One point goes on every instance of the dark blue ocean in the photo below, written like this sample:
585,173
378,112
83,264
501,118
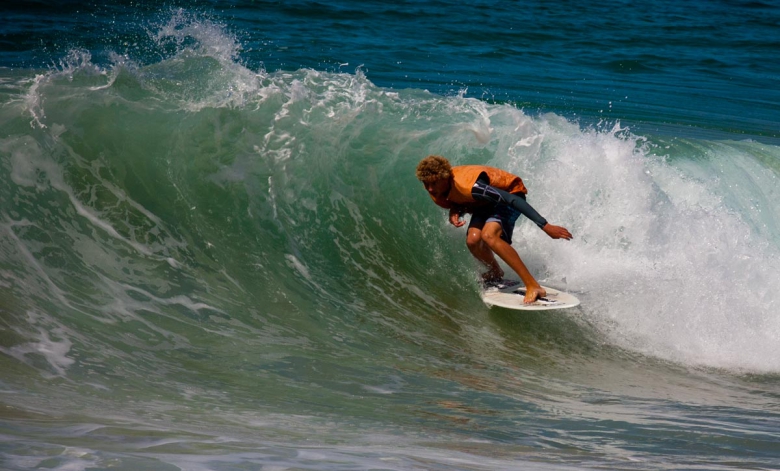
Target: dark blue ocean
215,255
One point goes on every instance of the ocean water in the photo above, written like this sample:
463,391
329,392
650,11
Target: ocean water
214,253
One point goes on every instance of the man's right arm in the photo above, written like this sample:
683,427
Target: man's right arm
455,214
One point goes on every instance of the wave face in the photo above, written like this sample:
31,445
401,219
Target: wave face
196,257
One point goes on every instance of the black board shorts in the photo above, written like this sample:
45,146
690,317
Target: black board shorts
504,215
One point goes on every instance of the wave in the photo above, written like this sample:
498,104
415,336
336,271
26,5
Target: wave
194,214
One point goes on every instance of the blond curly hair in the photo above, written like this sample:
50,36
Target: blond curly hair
432,168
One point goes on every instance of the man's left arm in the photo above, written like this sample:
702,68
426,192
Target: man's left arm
557,232
482,191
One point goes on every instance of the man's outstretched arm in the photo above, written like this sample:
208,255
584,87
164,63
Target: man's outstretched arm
481,191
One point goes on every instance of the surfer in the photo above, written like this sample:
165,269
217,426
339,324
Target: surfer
495,199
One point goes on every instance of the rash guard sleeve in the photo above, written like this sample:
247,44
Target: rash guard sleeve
482,191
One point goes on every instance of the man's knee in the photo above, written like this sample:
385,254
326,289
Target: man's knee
473,239
492,235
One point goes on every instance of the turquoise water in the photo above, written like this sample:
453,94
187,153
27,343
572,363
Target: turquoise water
214,253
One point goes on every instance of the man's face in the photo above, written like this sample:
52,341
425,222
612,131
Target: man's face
438,188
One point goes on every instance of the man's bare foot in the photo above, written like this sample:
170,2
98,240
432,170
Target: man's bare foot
493,275
533,293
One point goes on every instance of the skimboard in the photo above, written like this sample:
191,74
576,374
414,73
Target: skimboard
510,293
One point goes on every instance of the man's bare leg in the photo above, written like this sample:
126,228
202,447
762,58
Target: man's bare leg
491,235
480,250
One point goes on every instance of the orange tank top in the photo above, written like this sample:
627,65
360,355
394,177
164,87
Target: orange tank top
464,177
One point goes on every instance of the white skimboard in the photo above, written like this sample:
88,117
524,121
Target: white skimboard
510,293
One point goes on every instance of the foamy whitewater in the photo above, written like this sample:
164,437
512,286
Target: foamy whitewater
209,264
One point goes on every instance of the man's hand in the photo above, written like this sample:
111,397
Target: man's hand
557,232
455,218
